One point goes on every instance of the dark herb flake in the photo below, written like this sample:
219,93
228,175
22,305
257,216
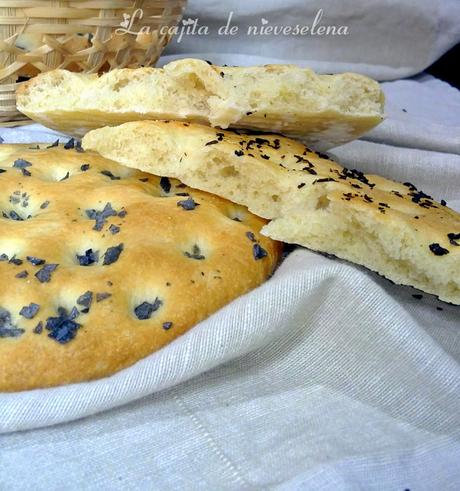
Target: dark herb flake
7,328
88,258
29,311
112,254
195,254
109,174
145,309
21,164
188,204
44,274
63,328
36,261
70,144
258,251
437,250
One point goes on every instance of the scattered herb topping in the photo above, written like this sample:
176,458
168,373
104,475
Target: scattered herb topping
330,179
44,274
63,328
239,153
101,216
16,261
78,147
353,174
251,236
66,176
410,186
26,173
13,216
453,238
70,144
437,250
7,328
54,144
212,142
114,229
84,167
145,309
258,251
167,325
302,184
195,254
38,329
44,205
88,258
29,311
22,274
21,164
323,155
36,261
422,199
109,174
112,254
85,301
188,204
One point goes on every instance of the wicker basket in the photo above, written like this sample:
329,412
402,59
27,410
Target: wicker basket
80,35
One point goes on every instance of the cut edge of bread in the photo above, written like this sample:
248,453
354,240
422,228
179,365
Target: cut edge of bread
325,110
303,211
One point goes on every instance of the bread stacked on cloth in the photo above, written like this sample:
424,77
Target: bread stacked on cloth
100,264
112,254
391,228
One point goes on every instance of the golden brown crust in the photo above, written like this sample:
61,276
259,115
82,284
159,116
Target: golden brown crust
392,228
193,261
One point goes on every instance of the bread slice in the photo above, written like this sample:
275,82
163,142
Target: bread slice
391,228
322,110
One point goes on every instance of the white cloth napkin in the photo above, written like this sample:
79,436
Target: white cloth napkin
325,377
386,39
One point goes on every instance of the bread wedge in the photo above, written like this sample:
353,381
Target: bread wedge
322,110
391,228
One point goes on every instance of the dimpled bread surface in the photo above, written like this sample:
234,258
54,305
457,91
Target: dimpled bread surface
392,228
323,110
100,265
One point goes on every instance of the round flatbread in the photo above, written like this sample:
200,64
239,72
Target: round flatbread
100,265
